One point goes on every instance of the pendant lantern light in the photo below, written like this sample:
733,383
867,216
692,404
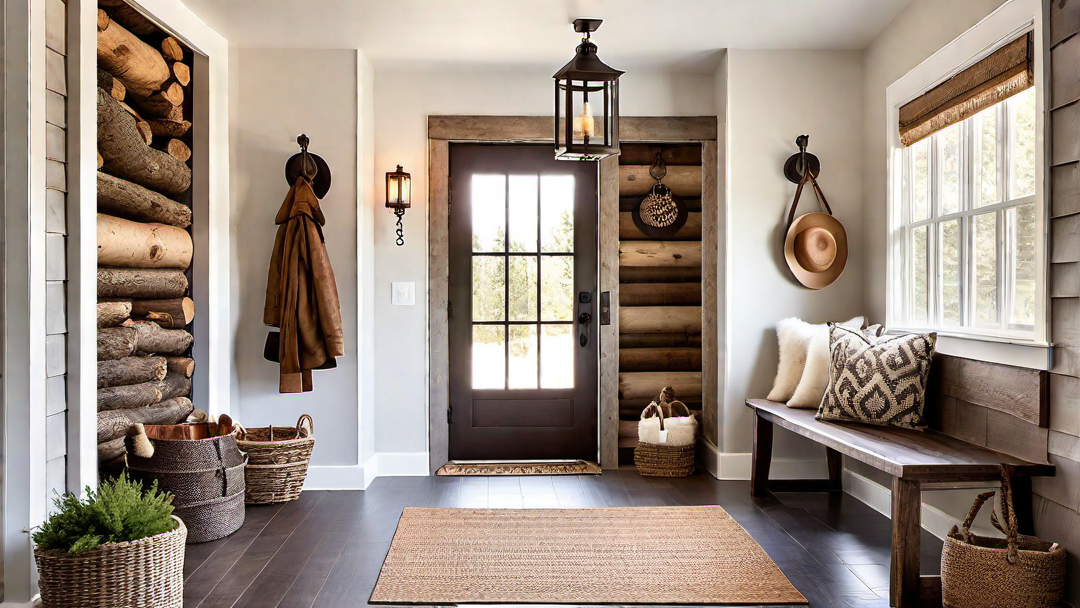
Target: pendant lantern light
586,102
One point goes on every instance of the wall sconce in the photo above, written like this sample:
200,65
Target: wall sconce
399,197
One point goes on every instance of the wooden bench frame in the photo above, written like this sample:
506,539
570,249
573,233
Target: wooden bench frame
917,460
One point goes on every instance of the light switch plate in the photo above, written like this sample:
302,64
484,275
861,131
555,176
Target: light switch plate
403,294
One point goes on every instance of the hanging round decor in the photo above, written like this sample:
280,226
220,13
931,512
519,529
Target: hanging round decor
660,214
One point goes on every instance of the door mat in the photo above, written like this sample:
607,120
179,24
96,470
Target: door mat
580,467
621,555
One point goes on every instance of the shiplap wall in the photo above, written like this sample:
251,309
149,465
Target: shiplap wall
56,245
1057,500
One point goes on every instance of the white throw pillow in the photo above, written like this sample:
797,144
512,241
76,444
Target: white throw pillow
815,376
794,336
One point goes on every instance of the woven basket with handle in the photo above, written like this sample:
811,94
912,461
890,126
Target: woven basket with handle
1017,571
144,573
660,459
278,458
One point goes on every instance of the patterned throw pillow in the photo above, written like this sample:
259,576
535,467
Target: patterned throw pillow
877,380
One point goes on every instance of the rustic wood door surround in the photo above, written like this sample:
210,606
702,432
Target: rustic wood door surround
523,340
693,130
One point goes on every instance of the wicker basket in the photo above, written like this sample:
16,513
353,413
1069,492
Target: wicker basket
1013,572
664,460
144,573
278,460
205,476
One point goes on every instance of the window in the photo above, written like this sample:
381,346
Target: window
970,260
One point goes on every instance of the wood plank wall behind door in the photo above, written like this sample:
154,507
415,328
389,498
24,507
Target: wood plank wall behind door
660,304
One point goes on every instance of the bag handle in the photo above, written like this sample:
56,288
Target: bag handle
683,406
807,177
305,421
652,407
980,500
1007,511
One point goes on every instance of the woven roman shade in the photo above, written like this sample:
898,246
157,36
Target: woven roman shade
992,79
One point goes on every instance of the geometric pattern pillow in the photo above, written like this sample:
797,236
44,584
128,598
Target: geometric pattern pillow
877,380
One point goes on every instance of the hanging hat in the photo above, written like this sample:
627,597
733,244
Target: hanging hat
816,244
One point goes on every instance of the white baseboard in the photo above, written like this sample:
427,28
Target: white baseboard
359,477
737,465
879,498
386,464
343,477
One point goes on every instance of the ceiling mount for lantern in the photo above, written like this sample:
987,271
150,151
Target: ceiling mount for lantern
586,102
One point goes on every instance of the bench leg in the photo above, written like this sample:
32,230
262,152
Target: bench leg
835,462
761,458
906,531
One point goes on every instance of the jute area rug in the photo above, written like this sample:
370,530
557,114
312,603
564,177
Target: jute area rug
622,555
580,467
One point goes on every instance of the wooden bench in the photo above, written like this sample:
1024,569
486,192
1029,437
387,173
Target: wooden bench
916,460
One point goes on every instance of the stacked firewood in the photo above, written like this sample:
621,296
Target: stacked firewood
144,216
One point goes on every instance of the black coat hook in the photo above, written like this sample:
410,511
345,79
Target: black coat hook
312,165
795,165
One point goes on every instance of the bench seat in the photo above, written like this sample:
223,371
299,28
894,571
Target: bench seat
915,459
924,455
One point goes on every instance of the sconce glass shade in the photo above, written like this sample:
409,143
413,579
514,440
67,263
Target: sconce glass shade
586,103
398,189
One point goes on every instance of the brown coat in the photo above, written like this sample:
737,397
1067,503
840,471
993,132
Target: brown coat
301,294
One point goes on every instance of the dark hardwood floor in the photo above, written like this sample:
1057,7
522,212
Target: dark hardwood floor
325,549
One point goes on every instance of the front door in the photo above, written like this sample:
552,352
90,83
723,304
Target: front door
523,276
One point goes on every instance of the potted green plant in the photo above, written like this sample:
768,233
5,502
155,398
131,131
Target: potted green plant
120,546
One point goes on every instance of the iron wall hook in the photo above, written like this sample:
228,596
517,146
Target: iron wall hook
795,165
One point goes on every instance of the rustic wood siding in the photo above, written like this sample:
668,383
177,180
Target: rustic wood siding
1057,499
56,271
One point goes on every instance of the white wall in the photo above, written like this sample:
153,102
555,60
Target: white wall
772,97
403,100
278,94
918,32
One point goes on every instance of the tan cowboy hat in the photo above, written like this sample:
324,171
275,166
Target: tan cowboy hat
816,244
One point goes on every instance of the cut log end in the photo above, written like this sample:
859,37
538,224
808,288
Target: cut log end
170,48
112,314
181,73
181,365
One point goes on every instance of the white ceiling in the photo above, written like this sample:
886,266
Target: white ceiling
669,34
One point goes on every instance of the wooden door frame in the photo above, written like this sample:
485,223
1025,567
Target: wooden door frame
444,130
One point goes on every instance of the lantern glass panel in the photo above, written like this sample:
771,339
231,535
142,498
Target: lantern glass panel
590,108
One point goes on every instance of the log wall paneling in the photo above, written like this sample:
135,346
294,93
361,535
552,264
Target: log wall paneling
1057,499
661,293
145,246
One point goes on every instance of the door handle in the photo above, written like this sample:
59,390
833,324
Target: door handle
584,319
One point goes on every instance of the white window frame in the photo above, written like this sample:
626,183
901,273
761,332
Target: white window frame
1020,348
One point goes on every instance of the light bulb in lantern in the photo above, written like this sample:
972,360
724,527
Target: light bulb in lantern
585,124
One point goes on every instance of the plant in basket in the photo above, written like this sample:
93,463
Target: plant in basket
119,546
